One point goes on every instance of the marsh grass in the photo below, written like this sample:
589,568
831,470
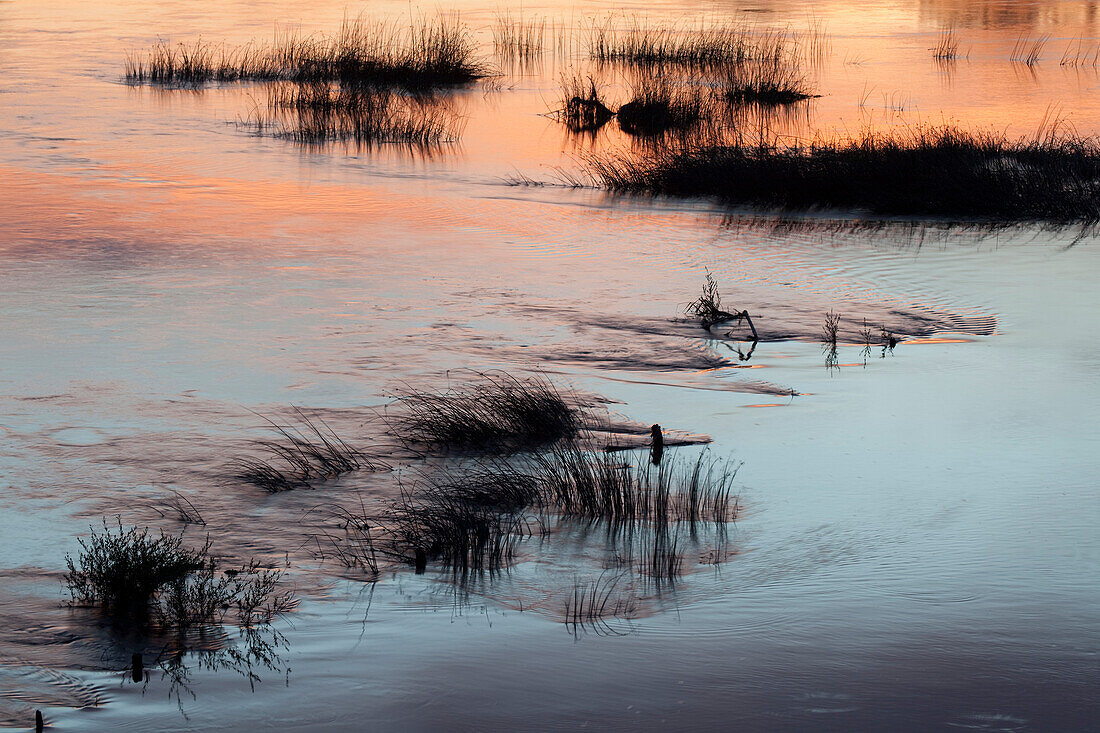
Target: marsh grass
947,45
929,171
301,457
1079,54
456,525
423,55
519,37
497,413
704,46
583,108
135,576
580,483
180,508
319,113
1028,50
593,604
658,104
767,83
831,329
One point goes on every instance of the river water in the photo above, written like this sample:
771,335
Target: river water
917,548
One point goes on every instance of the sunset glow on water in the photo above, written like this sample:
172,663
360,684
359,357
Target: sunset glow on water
911,543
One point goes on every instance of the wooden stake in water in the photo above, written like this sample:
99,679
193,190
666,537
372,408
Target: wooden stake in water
658,449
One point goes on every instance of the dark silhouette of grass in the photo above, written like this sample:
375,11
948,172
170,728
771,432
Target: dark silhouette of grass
583,108
705,46
302,457
772,82
466,524
182,509
947,45
496,413
658,105
593,604
318,113
601,486
1028,50
134,576
427,55
941,172
519,37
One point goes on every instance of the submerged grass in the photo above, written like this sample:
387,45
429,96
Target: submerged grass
318,113
301,457
428,54
592,604
473,518
496,413
929,171
519,37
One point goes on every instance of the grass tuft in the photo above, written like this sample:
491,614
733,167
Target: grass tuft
768,83
583,108
657,105
928,171
133,575
497,413
425,55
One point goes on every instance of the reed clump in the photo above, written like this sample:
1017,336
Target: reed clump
466,524
497,413
429,54
947,45
928,171
133,575
768,83
583,108
519,37
704,46
658,105
580,483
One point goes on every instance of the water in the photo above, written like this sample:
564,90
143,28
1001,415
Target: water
918,545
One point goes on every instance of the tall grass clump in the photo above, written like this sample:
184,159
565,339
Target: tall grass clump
300,457
928,171
583,108
424,55
496,413
704,46
133,575
471,523
658,105
600,486
772,82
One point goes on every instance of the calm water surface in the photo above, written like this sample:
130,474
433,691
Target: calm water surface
918,549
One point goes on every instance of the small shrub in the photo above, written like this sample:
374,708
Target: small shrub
135,576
